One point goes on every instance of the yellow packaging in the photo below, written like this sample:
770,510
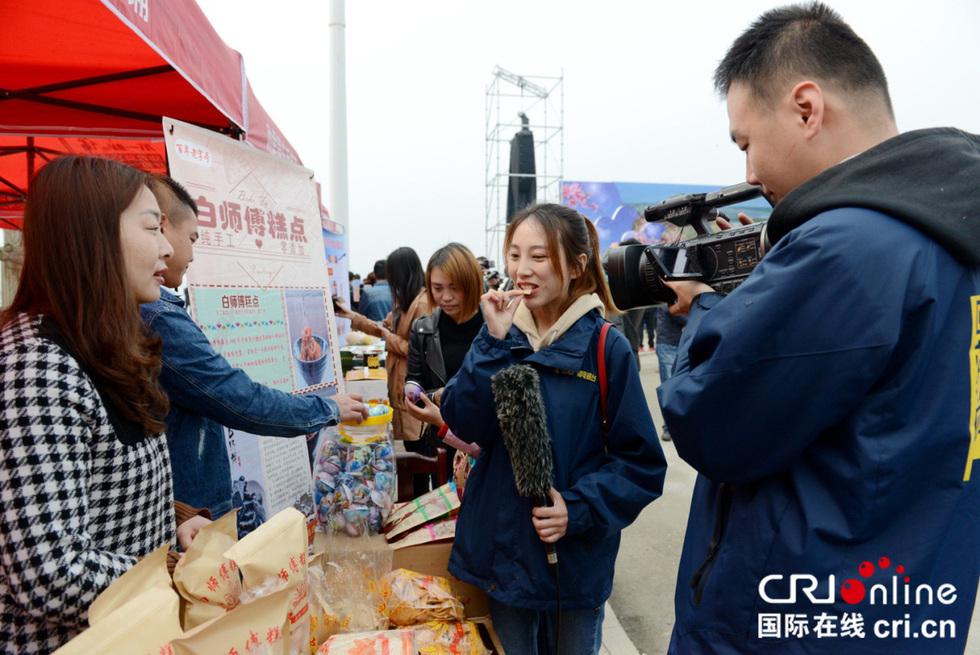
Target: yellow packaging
256,627
412,598
204,577
148,573
150,619
387,642
456,638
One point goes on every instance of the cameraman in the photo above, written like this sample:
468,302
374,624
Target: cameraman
850,447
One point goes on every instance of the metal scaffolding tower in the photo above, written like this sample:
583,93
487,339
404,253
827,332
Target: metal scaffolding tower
543,100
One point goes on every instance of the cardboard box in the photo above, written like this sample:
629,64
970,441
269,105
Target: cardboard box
433,559
365,373
370,383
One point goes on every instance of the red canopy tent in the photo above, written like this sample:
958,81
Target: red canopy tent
97,76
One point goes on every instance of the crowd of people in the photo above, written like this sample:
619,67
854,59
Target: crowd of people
826,403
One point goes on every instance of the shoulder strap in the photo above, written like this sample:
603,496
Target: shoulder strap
603,383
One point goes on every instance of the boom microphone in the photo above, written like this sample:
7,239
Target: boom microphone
520,413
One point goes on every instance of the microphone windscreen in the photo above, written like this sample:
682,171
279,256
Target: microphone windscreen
523,426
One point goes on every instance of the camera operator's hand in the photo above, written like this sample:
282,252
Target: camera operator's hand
687,291
498,310
725,224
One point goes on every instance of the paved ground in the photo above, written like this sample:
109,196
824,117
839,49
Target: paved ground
615,641
643,589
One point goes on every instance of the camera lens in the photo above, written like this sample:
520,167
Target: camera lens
633,280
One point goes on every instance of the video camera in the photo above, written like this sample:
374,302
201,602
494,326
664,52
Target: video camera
721,259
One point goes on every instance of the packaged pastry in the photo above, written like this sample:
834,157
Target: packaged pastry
347,584
444,530
387,642
455,638
427,507
412,598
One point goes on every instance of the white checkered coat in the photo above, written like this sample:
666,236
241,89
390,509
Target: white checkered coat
77,506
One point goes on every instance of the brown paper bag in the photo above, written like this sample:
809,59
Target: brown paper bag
427,507
444,530
204,577
149,573
274,557
277,549
143,625
256,627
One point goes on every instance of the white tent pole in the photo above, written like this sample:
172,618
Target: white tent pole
337,199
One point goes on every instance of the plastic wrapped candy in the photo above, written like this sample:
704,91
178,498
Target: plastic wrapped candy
354,477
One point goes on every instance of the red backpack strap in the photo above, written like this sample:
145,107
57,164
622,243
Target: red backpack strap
603,383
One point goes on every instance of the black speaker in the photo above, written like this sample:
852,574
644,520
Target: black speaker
521,191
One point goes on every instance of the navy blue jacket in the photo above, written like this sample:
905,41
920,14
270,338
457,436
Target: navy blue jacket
206,393
496,547
826,404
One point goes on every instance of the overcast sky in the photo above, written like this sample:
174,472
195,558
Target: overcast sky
638,98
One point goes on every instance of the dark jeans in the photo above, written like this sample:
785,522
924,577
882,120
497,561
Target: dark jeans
650,323
631,323
530,632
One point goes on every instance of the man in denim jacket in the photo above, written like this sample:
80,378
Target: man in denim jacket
205,392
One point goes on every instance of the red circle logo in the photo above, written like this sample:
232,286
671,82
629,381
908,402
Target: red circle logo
852,591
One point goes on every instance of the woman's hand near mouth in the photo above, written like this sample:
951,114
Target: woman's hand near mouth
499,308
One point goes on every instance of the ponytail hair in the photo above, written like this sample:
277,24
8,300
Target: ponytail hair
571,234
596,272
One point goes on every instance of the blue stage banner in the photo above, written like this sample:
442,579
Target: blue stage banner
616,208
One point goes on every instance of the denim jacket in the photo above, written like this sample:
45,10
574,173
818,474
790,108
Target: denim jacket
206,393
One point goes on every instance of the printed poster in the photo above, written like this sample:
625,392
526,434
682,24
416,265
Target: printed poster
335,250
260,290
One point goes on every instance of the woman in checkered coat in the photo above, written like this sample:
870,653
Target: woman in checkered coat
85,485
